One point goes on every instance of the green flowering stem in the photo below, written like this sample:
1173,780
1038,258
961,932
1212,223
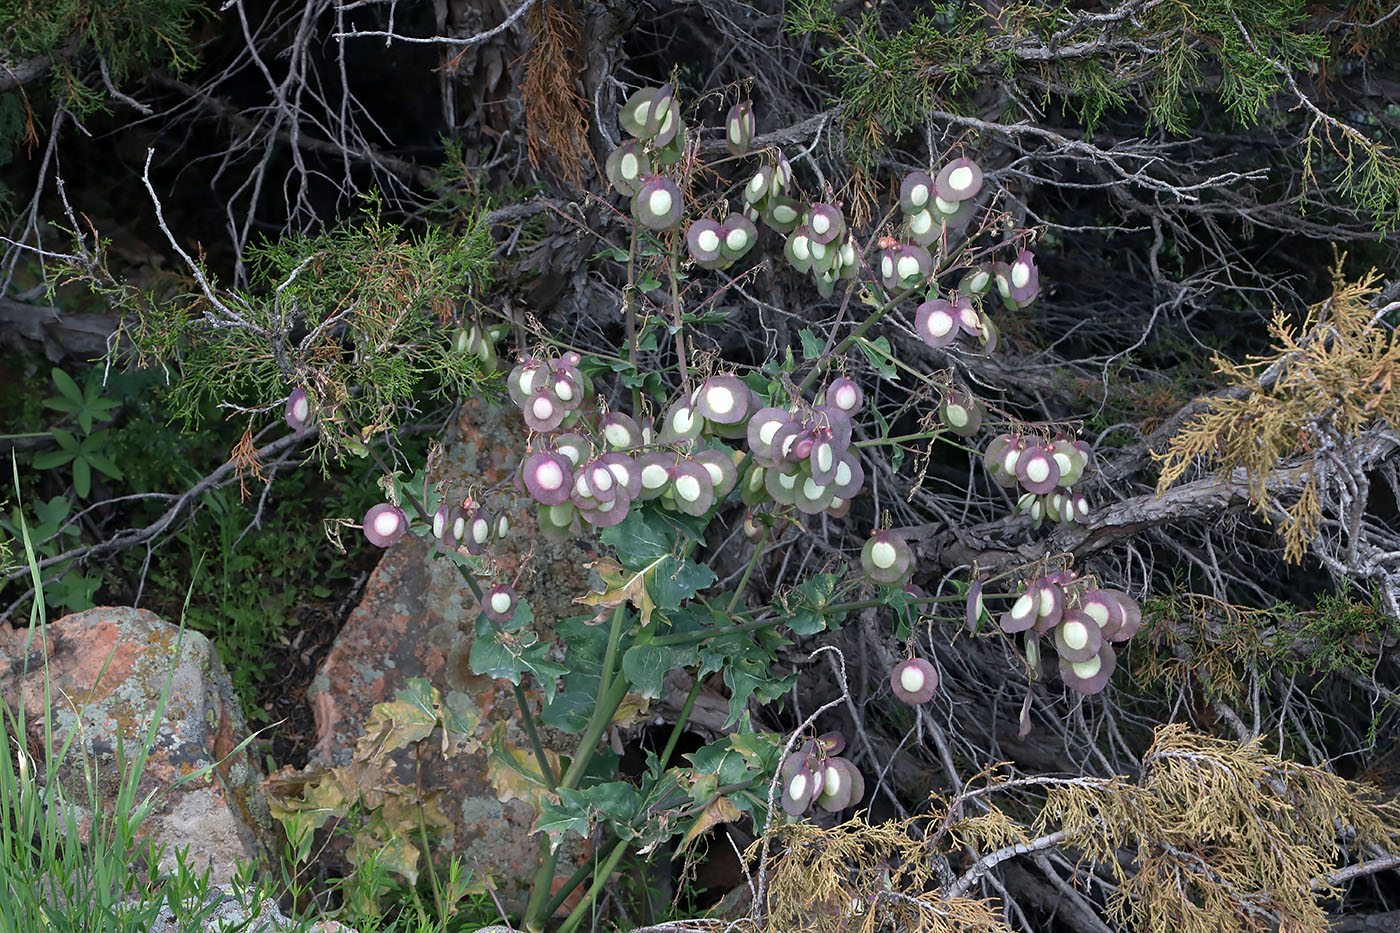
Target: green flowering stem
600,877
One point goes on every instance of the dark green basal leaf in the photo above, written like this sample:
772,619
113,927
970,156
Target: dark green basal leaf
640,538
746,674
674,581
585,646
646,666
808,606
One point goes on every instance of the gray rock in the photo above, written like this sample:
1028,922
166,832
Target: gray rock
108,668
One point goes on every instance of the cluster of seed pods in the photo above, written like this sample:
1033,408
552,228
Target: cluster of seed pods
1045,472
652,117
816,774
799,456
1083,619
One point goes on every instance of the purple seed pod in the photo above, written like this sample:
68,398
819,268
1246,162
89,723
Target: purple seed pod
1036,470
824,460
824,223
625,470
609,513
683,422
658,203
521,381
723,399
1077,637
703,238
1022,614
994,459
1023,278
635,115
626,166
844,395
914,681
298,411
1090,676
692,488
801,785
887,558
923,227
723,475
1130,611
1049,604
975,608
959,180
935,323
543,411
969,318
831,743
781,483
842,786
976,280
1104,608
498,603
763,427
739,128
961,413
656,471
849,477
384,524
811,497
737,237
480,527
915,192
828,421
759,185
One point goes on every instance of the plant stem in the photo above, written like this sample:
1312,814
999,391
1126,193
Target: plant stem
679,725
527,719
600,878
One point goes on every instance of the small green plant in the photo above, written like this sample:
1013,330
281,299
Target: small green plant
52,532
54,877
87,450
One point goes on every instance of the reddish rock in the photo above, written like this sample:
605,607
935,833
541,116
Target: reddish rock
417,620
108,668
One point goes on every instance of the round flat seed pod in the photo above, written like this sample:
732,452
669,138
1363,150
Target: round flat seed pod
662,103
1049,604
824,223
298,413
1077,637
384,524
720,466
763,426
811,497
498,603
797,250
609,513
1104,608
887,558
969,318
626,166
781,213
1023,278
703,238
975,609
961,413
1091,676
635,115
739,127
548,477
753,486
479,531
683,423
759,184
737,236
824,461
1036,470
912,264
1131,614
990,335
693,488
976,280
914,681
915,192
1022,614
849,476
843,786
656,470
520,382
625,470
958,181
993,458
658,203
723,399
845,395
935,323
543,411
923,227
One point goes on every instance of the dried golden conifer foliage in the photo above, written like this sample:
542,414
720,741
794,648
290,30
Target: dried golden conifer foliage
1327,381
554,112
